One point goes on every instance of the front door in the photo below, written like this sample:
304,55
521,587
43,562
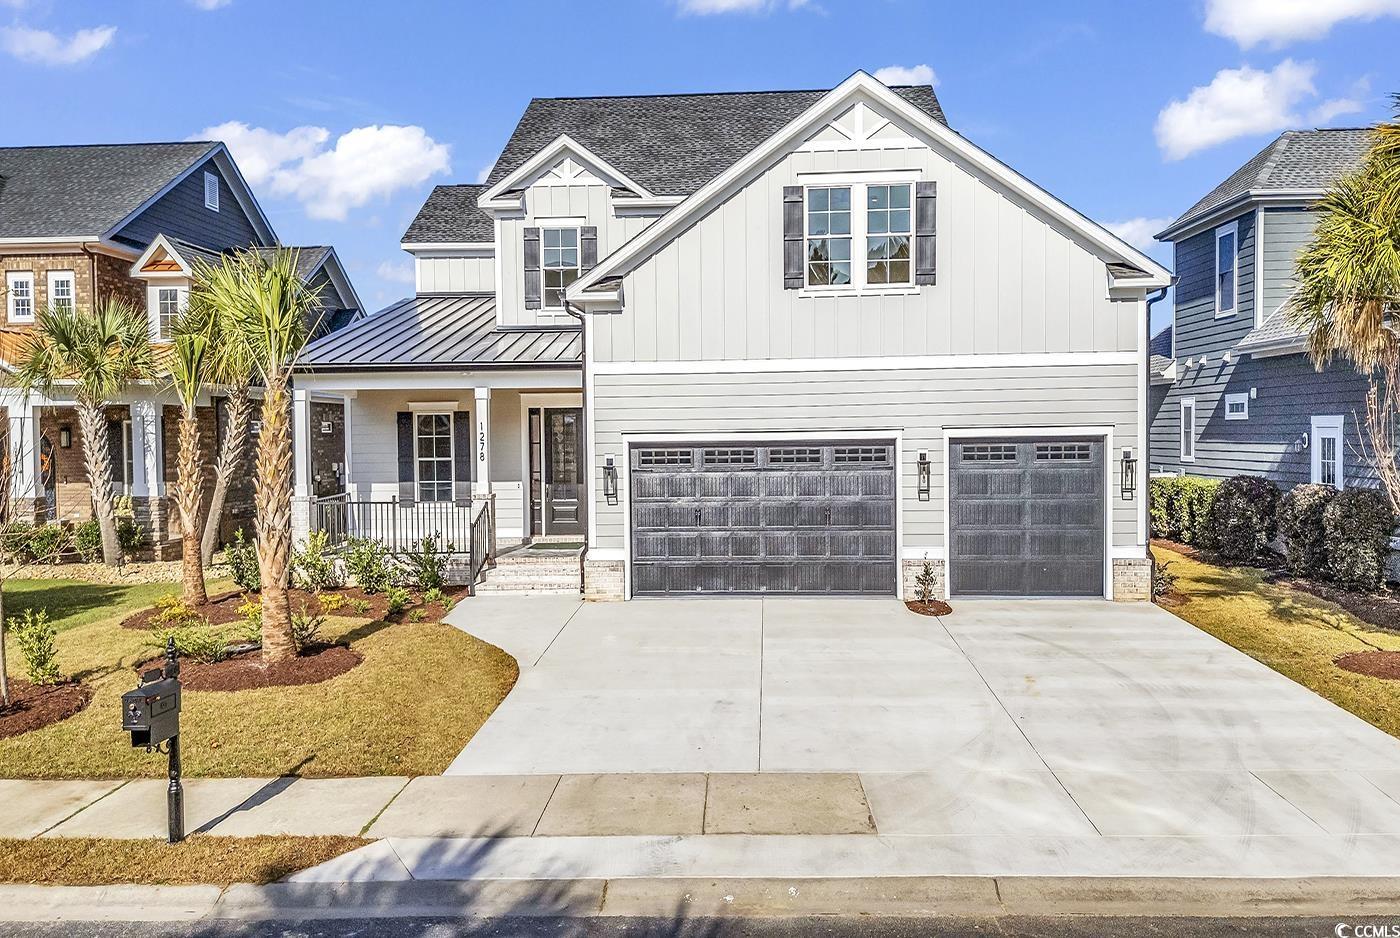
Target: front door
564,496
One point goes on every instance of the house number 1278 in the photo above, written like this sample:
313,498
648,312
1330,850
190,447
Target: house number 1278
481,447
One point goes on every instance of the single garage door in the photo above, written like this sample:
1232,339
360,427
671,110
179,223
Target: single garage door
1026,517
808,517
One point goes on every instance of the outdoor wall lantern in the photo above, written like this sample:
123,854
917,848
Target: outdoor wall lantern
1129,474
65,437
610,480
924,474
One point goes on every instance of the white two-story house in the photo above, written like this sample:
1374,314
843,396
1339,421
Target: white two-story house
786,342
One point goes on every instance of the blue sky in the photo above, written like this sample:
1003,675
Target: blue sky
344,115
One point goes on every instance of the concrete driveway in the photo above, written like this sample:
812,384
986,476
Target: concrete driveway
1009,691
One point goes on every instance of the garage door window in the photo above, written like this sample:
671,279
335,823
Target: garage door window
975,452
1064,452
731,457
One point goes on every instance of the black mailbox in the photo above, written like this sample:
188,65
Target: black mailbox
151,712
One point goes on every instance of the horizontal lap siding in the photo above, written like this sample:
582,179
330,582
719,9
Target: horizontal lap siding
1286,231
1270,442
918,403
1197,329
180,213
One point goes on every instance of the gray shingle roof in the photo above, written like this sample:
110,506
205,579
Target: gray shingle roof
308,257
51,192
1277,329
450,215
1309,160
429,332
672,144
1159,351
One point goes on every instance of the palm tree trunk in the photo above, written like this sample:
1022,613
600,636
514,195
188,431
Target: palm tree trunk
189,492
273,502
4,663
97,461
230,457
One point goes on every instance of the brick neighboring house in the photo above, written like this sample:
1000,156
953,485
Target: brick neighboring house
79,224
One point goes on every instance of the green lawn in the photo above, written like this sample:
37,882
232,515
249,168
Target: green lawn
73,602
1295,633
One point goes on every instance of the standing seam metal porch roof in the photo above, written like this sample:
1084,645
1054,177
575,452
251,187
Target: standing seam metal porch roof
441,332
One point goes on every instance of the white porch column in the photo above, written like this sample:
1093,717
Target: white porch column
301,464
147,451
481,484
24,451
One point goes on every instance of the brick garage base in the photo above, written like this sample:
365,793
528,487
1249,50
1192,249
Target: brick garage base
910,569
1132,580
602,580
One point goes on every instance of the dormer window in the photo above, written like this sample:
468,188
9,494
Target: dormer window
211,192
167,303
560,263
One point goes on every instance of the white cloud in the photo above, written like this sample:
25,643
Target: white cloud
1138,231
45,48
210,4
485,172
362,164
907,75
1278,22
710,7
398,272
1328,111
1239,102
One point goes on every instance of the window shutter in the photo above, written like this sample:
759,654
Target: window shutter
926,233
405,425
792,238
461,456
533,287
588,248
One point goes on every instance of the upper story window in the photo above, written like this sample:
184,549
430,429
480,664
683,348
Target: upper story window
560,263
433,456
19,295
211,192
1227,259
61,293
1188,429
167,303
884,230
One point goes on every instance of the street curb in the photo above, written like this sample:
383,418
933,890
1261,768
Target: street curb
680,898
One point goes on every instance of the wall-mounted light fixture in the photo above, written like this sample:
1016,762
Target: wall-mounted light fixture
924,474
610,480
65,437
1129,476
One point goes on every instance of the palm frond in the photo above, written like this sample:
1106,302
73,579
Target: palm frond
98,353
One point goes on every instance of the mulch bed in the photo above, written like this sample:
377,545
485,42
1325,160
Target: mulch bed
247,671
34,707
935,607
224,606
1382,664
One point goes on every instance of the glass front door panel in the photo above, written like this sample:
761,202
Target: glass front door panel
563,471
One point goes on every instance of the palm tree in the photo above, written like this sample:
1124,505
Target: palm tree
1349,289
99,354
190,339
267,307
229,367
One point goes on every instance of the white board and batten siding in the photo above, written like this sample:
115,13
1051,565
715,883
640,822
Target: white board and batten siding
453,272
1030,295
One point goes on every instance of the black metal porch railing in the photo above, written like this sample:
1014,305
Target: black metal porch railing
395,524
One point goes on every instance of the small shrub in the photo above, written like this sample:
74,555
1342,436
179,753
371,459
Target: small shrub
203,642
331,602
1243,517
926,583
174,611
306,629
46,542
131,537
434,595
1300,525
15,543
447,604
1181,508
1163,580
398,599
242,559
1358,523
417,615
37,639
313,569
368,562
249,628
87,541
425,565
360,606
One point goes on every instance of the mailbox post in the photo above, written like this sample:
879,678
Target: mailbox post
151,714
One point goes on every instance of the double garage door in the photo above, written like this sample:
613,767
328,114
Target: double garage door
1026,517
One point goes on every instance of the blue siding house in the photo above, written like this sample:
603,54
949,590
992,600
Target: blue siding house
1233,389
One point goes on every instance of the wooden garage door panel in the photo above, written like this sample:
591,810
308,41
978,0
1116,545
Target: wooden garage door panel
1026,517
764,518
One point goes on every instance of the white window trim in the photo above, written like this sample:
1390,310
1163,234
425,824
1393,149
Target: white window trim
11,278
1328,426
153,305
859,222
451,457
1182,436
1241,397
1233,231
211,188
558,225
55,277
